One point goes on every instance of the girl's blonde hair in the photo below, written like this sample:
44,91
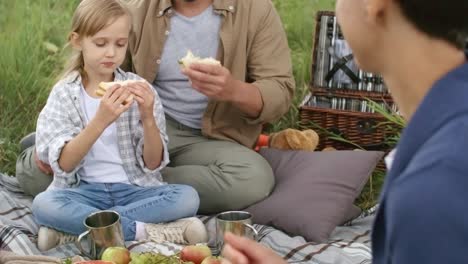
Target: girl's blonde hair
89,18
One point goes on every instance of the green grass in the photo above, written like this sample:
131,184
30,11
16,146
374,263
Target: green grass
27,66
298,17
30,30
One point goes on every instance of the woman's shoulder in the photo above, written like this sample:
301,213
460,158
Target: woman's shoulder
446,147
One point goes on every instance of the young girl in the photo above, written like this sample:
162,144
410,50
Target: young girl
106,153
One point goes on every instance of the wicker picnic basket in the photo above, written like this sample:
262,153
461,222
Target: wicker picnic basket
341,110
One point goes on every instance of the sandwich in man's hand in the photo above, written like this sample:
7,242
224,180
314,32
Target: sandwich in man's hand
189,59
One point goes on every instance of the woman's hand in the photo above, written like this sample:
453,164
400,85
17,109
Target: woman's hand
112,105
144,96
241,250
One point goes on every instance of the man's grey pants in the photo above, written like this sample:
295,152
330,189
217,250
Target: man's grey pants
30,177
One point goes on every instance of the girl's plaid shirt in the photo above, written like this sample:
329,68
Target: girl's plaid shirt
62,119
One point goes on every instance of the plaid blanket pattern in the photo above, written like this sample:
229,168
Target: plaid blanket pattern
348,244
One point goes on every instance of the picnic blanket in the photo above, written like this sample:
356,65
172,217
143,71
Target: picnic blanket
348,244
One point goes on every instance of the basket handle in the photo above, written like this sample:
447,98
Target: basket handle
363,127
366,126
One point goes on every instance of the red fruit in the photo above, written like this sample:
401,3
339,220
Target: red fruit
94,262
195,254
212,260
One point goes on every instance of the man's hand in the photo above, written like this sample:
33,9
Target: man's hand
241,250
217,83
144,96
44,167
214,81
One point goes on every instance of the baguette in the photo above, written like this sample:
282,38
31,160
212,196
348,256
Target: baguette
103,86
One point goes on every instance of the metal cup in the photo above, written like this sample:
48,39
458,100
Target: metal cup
236,222
104,230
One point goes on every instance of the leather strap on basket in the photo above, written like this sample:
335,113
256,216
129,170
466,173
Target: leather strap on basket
341,65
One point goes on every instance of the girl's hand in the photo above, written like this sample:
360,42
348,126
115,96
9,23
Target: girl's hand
144,96
112,105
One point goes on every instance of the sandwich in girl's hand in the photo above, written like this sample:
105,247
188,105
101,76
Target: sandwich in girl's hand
103,86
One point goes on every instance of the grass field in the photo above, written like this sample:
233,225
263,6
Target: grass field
27,66
34,32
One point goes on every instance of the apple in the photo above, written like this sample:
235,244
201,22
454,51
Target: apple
93,262
195,254
212,260
118,255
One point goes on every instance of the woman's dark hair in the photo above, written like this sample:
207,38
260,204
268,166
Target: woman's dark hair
444,19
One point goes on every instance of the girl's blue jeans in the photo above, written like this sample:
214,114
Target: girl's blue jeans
66,209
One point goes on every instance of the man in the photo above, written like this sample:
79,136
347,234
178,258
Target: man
215,113
418,47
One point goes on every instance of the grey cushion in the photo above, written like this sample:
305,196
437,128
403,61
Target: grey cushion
351,214
314,191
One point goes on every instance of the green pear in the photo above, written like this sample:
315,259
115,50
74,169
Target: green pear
118,255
